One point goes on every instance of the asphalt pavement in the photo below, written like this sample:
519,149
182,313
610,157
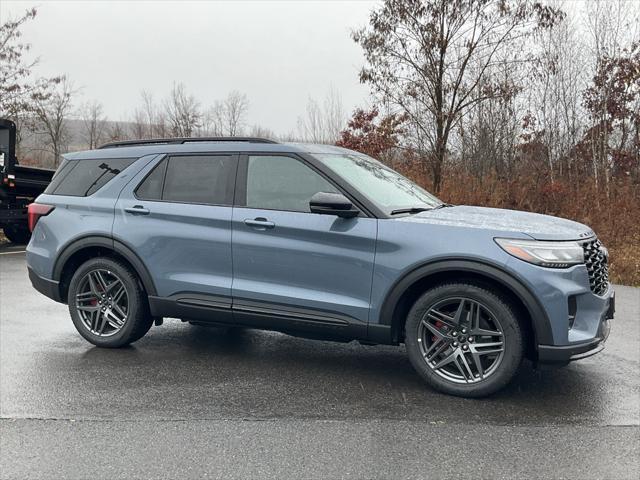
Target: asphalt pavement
194,402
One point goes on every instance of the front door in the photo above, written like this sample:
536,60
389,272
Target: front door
294,269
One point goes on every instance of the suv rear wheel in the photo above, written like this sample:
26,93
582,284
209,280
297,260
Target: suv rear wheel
464,339
107,304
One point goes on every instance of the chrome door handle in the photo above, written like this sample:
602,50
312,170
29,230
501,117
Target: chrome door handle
259,223
137,209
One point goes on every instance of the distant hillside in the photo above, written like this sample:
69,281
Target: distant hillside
33,150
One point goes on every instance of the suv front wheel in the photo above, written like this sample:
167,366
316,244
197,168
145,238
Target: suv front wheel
107,304
464,339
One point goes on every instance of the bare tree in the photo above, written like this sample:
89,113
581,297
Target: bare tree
323,123
486,136
94,123
183,112
149,121
52,112
19,91
428,58
311,125
139,127
236,107
611,26
334,115
262,132
117,132
213,120
227,117
558,76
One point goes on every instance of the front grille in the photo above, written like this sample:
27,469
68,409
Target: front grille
595,259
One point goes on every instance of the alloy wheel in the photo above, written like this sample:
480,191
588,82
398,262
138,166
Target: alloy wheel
102,302
461,340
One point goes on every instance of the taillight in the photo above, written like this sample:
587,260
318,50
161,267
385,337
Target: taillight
35,211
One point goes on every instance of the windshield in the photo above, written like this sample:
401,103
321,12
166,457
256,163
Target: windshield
383,186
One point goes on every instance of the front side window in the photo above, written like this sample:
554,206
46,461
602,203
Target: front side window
80,178
282,183
382,185
206,179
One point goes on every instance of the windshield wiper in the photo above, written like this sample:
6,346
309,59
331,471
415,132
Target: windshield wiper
442,205
410,210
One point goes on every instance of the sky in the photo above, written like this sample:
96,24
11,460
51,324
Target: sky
279,53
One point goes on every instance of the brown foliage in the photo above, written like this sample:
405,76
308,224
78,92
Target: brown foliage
616,87
366,135
614,219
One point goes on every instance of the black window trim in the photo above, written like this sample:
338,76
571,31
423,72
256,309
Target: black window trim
167,156
240,199
155,164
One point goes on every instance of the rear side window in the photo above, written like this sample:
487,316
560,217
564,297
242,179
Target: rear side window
81,178
64,168
206,179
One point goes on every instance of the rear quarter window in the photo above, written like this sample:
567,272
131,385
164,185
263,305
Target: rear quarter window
80,178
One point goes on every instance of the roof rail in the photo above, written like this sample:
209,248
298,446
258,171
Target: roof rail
183,140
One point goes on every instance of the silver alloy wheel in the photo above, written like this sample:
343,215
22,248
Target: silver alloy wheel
102,302
461,340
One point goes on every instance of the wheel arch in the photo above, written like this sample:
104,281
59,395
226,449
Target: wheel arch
407,290
80,250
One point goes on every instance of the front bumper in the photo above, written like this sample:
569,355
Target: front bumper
47,287
576,351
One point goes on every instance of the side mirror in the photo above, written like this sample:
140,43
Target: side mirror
332,204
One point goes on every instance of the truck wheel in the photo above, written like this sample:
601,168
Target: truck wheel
107,304
17,234
464,339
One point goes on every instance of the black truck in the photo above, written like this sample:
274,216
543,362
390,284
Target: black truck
19,186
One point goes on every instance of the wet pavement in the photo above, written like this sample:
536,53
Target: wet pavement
193,401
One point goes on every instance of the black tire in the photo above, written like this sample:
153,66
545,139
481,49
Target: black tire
138,319
495,308
17,234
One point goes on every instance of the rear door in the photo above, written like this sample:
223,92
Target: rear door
176,215
294,269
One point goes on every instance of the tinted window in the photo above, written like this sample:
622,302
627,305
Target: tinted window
85,177
62,171
151,187
282,183
200,179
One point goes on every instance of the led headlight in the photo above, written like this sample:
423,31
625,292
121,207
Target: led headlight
545,254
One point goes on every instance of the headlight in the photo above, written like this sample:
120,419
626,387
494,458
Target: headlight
545,254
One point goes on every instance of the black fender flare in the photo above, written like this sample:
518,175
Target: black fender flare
539,318
110,244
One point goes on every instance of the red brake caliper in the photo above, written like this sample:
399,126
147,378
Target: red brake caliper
438,326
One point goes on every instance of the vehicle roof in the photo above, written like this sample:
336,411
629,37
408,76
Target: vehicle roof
204,147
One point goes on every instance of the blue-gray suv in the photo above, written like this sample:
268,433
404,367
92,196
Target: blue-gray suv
314,241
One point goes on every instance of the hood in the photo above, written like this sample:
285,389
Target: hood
535,225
